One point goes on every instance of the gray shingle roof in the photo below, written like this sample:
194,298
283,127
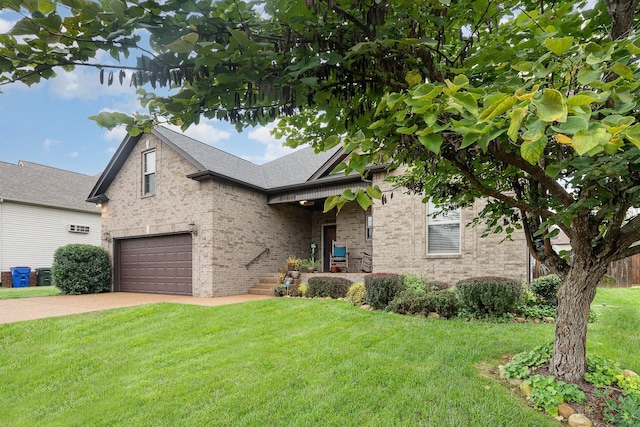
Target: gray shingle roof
294,168
29,182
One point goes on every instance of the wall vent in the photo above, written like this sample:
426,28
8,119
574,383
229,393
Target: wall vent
75,228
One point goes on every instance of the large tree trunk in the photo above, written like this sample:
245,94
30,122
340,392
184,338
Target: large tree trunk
575,295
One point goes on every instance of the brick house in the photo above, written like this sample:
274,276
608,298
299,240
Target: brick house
182,217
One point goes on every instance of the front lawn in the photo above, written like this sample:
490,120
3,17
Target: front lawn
274,362
28,292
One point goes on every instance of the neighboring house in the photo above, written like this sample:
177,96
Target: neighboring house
182,217
41,209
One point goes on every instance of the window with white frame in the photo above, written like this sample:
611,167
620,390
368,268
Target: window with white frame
443,231
148,173
368,228
75,228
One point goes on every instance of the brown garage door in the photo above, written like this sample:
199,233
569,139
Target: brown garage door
160,265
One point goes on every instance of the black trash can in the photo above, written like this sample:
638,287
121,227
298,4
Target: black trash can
20,276
43,276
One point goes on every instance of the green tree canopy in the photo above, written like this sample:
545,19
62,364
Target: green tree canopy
532,106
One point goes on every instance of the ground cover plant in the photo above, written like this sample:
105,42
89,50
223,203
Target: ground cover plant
274,362
29,292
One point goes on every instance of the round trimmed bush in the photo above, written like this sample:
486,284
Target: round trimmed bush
489,296
409,301
323,287
382,288
546,288
443,302
81,269
356,294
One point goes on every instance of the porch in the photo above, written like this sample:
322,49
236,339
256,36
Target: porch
265,285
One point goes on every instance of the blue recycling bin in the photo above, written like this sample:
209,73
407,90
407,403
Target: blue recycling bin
20,276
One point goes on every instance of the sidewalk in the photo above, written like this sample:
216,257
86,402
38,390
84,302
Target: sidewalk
16,310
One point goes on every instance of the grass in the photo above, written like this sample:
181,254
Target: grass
28,292
273,363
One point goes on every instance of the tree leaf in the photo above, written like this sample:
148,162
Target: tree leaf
563,139
377,124
572,125
413,77
374,192
622,70
531,151
363,199
516,115
559,46
632,134
432,142
586,140
330,203
46,6
552,106
240,36
407,130
583,98
348,195
184,44
587,76
497,108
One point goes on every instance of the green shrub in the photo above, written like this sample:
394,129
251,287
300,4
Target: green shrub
547,393
443,302
489,296
434,285
356,294
619,409
413,282
382,288
81,269
546,288
537,311
601,372
521,364
303,290
334,287
280,290
409,301
294,290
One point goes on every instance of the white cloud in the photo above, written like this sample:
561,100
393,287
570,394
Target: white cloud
5,25
116,134
49,143
73,154
273,147
205,131
84,83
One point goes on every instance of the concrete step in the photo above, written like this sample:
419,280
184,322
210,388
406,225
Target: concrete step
254,291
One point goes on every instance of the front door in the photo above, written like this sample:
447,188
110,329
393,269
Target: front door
328,236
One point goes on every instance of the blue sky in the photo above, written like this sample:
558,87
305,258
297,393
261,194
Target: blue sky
48,123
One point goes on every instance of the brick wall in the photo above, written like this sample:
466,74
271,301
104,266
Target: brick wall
234,224
399,243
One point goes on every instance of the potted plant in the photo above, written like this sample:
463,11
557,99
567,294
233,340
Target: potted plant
293,264
308,265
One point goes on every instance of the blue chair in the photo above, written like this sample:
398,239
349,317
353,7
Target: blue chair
339,256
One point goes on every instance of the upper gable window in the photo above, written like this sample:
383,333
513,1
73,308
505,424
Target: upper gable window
148,173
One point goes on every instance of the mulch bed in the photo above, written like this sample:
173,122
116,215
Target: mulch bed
590,408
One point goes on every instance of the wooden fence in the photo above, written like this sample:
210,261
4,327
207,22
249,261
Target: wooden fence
623,273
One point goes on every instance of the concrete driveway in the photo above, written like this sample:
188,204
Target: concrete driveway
16,310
